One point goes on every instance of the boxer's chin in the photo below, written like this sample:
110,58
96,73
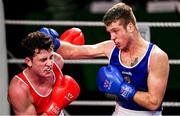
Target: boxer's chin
48,73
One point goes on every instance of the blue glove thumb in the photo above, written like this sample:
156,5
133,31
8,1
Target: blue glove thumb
54,36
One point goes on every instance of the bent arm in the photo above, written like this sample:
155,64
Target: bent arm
70,51
20,99
157,82
58,60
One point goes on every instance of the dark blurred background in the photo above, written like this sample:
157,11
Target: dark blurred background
88,10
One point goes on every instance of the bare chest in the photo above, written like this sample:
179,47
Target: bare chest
131,60
128,61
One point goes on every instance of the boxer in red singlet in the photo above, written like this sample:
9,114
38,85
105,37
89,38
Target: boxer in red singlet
41,88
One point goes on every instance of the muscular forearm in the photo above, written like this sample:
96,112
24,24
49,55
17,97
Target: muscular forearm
146,100
69,51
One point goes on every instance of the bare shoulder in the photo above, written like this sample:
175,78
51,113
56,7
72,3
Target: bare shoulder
159,61
58,60
20,98
17,85
17,89
159,53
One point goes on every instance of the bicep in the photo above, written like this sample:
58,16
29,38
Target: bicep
157,82
20,100
158,76
58,60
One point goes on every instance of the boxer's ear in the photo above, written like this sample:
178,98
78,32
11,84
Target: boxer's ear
130,27
28,61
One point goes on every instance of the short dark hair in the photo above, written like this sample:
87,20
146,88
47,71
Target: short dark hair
119,11
36,40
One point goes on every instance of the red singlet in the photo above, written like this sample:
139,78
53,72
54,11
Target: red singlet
39,101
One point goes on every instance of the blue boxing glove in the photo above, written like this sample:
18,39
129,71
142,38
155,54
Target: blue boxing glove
109,80
54,36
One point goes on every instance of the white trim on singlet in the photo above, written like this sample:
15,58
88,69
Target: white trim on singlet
21,80
53,72
34,87
150,58
110,56
130,67
59,70
56,65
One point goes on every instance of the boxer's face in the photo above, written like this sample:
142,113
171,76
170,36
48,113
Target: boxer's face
118,34
42,63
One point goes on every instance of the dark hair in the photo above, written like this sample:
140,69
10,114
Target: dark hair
121,12
36,40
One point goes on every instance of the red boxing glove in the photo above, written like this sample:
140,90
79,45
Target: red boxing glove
62,95
73,35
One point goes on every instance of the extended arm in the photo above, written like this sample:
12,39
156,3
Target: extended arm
70,44
70,51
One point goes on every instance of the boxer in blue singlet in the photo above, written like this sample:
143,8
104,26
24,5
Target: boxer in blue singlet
138,70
